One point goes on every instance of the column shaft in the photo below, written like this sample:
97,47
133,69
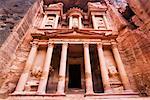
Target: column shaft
88,73
45,73
62,70
104,70
121,68
24,76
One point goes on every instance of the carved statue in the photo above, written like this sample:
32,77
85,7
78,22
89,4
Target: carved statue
112,70
100,22
36,71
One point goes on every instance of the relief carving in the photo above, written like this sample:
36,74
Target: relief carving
100,22
50,21
112,70
36,71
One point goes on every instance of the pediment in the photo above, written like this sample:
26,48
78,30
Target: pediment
72,33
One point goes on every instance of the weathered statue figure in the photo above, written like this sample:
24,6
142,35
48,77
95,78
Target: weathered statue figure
75,22
112,70
100,22
36,71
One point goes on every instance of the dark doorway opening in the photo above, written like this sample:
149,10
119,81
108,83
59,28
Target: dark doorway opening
74,76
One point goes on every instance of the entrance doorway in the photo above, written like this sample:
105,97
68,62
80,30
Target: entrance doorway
74,76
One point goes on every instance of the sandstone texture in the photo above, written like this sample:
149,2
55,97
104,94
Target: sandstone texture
16,22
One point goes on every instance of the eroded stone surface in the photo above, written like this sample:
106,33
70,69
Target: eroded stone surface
133,44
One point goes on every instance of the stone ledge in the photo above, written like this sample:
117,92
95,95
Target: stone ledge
114,96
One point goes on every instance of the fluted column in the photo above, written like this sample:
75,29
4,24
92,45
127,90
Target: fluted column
44,77
94,22
62,70
70,22
121,68
24,76
56,21
104,70
88,73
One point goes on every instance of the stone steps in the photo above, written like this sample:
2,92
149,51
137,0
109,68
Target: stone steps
103,96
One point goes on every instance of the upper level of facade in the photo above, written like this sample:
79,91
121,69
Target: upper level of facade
96,18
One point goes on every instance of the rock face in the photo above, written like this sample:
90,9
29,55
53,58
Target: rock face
134,46
10,14
15,19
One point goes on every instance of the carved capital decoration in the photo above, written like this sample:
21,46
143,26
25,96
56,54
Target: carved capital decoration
114,45
99,45
50,44
65,44
35,43
86,45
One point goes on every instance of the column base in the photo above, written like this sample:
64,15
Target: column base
89,94
40,93
129,91
108,91
18,92
60,93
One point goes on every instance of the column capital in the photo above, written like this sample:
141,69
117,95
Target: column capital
35,43
114,45
70,16
50,44
65,44
86,44
99,45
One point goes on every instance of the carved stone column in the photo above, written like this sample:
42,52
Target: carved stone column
94,22
62,70
56,21
44,77
24,76
70,22
88,73
121,69
104,70
80,22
